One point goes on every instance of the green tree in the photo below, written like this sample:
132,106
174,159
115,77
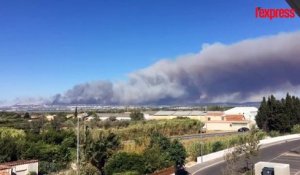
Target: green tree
262,115
124,162
136,116
9,149
155,159
98,151
278,115
27,115
177,154
172,151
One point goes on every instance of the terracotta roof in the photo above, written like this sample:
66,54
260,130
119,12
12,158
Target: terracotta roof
4,167
222,121
234,118
18,162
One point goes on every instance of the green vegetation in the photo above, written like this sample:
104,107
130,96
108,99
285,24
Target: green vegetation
160,153
243,152
278,115
125,162
136,116
25,138
107,147
296,129
98,151
166,127
216,144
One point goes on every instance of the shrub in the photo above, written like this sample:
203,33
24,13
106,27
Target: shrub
10,132
136,116
32,173
128,173
296,129
261,134
274,133
194,150
217,146
124,162
89,169
155,159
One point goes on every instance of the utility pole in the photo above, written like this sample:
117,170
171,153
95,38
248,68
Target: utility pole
201,145
76,115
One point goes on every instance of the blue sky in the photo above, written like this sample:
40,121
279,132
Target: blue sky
46,47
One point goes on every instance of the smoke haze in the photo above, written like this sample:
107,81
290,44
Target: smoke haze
239,72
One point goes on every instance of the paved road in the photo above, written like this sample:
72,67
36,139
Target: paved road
205,135
266,154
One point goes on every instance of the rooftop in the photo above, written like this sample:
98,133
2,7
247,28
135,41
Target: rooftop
4,167
18,162
234,118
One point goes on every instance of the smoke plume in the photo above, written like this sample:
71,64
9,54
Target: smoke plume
218,73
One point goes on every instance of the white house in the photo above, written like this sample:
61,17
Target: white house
20,167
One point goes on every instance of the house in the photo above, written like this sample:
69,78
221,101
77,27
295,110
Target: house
20,167
50,117
118,116
248,112
198,115
226,125
5,170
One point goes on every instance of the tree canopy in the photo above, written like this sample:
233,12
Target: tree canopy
278,115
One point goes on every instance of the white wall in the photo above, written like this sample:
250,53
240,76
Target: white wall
26,168
33,167
225,126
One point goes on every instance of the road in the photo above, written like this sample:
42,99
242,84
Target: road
267,154
204,135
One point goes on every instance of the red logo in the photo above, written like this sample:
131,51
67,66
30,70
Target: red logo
274,13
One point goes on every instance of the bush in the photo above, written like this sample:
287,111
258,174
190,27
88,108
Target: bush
128,173
217,146
89,169
261,135
32,173
155,159
136,116
177,153
194,150
296,129
124,162
274,133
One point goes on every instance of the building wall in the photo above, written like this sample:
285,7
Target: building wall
21,169
33,167
224,126
25,169
5,172
202,118
160,117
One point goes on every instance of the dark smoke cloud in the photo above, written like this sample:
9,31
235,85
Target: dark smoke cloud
218,73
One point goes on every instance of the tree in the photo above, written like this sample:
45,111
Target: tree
136,116
9,149
177,154
278,115
172,151
124,162
262,115
155,159
27,115
98,151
